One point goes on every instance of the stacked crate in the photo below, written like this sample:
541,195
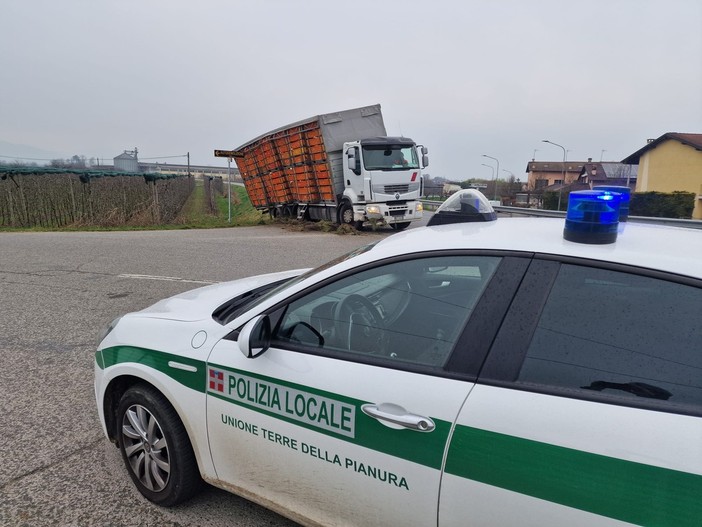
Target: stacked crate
287,166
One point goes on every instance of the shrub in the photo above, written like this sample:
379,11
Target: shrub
662,205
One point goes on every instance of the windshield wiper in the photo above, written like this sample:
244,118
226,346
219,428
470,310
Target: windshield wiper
640,389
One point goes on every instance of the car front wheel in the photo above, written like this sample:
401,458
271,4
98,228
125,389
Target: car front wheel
155,447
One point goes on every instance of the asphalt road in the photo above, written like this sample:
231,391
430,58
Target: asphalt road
56,291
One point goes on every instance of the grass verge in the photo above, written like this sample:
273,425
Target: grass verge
195,213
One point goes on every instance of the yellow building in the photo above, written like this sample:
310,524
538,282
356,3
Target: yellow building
671,162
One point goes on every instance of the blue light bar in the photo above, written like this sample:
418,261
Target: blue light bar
626,197
592,217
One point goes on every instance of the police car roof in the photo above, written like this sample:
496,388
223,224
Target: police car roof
672,249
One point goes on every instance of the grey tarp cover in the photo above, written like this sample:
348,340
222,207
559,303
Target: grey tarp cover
339,127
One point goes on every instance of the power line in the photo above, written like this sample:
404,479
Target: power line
27,158
164,157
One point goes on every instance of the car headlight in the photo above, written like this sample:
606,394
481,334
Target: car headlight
107,330
373,209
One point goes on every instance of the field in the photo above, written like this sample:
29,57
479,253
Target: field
42,198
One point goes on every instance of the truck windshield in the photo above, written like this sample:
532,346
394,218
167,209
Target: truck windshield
390,157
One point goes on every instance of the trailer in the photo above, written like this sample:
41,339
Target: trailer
339,167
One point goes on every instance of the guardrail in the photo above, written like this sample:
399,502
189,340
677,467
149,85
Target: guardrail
430,205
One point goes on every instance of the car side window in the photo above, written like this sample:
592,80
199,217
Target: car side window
619,334
411,311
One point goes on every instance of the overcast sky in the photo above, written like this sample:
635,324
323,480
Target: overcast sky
463,77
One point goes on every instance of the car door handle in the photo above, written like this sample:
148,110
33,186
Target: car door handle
396,415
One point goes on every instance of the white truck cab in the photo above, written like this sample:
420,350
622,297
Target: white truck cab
383,180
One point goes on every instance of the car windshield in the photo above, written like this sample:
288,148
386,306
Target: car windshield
391,157
311,272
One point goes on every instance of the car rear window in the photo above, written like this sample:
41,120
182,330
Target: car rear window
619,334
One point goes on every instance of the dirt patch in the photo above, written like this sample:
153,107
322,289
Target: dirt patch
322,226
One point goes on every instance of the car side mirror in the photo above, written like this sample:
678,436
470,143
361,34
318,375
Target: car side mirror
255,337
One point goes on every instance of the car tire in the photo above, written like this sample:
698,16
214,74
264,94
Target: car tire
400,226
155,447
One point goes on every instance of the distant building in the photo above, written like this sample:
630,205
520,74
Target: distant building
543,174
194,170
608,173
673,162
526,199
127,161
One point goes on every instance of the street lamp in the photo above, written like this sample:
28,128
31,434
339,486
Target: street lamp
562,172
493,172
497,173
491,168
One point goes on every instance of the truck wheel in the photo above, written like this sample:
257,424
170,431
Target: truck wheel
346,213
156,448
400,226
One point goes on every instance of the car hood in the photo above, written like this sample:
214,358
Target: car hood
198,304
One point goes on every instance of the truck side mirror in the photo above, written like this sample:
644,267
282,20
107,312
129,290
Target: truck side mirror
425,160
425,150
353,161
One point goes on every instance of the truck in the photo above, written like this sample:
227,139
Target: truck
340,167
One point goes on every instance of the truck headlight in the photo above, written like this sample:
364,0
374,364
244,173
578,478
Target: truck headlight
372,209
420,207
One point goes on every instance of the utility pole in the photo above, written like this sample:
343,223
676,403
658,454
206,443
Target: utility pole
563,171
229,154
497,173
229,185
188,164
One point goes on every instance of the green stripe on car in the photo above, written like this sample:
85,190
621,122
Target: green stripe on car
157,360
612,487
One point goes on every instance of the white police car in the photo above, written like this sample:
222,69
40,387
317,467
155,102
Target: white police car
487,373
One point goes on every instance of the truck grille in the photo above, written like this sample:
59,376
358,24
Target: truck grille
391,189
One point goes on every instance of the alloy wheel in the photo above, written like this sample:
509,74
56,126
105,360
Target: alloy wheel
146,448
